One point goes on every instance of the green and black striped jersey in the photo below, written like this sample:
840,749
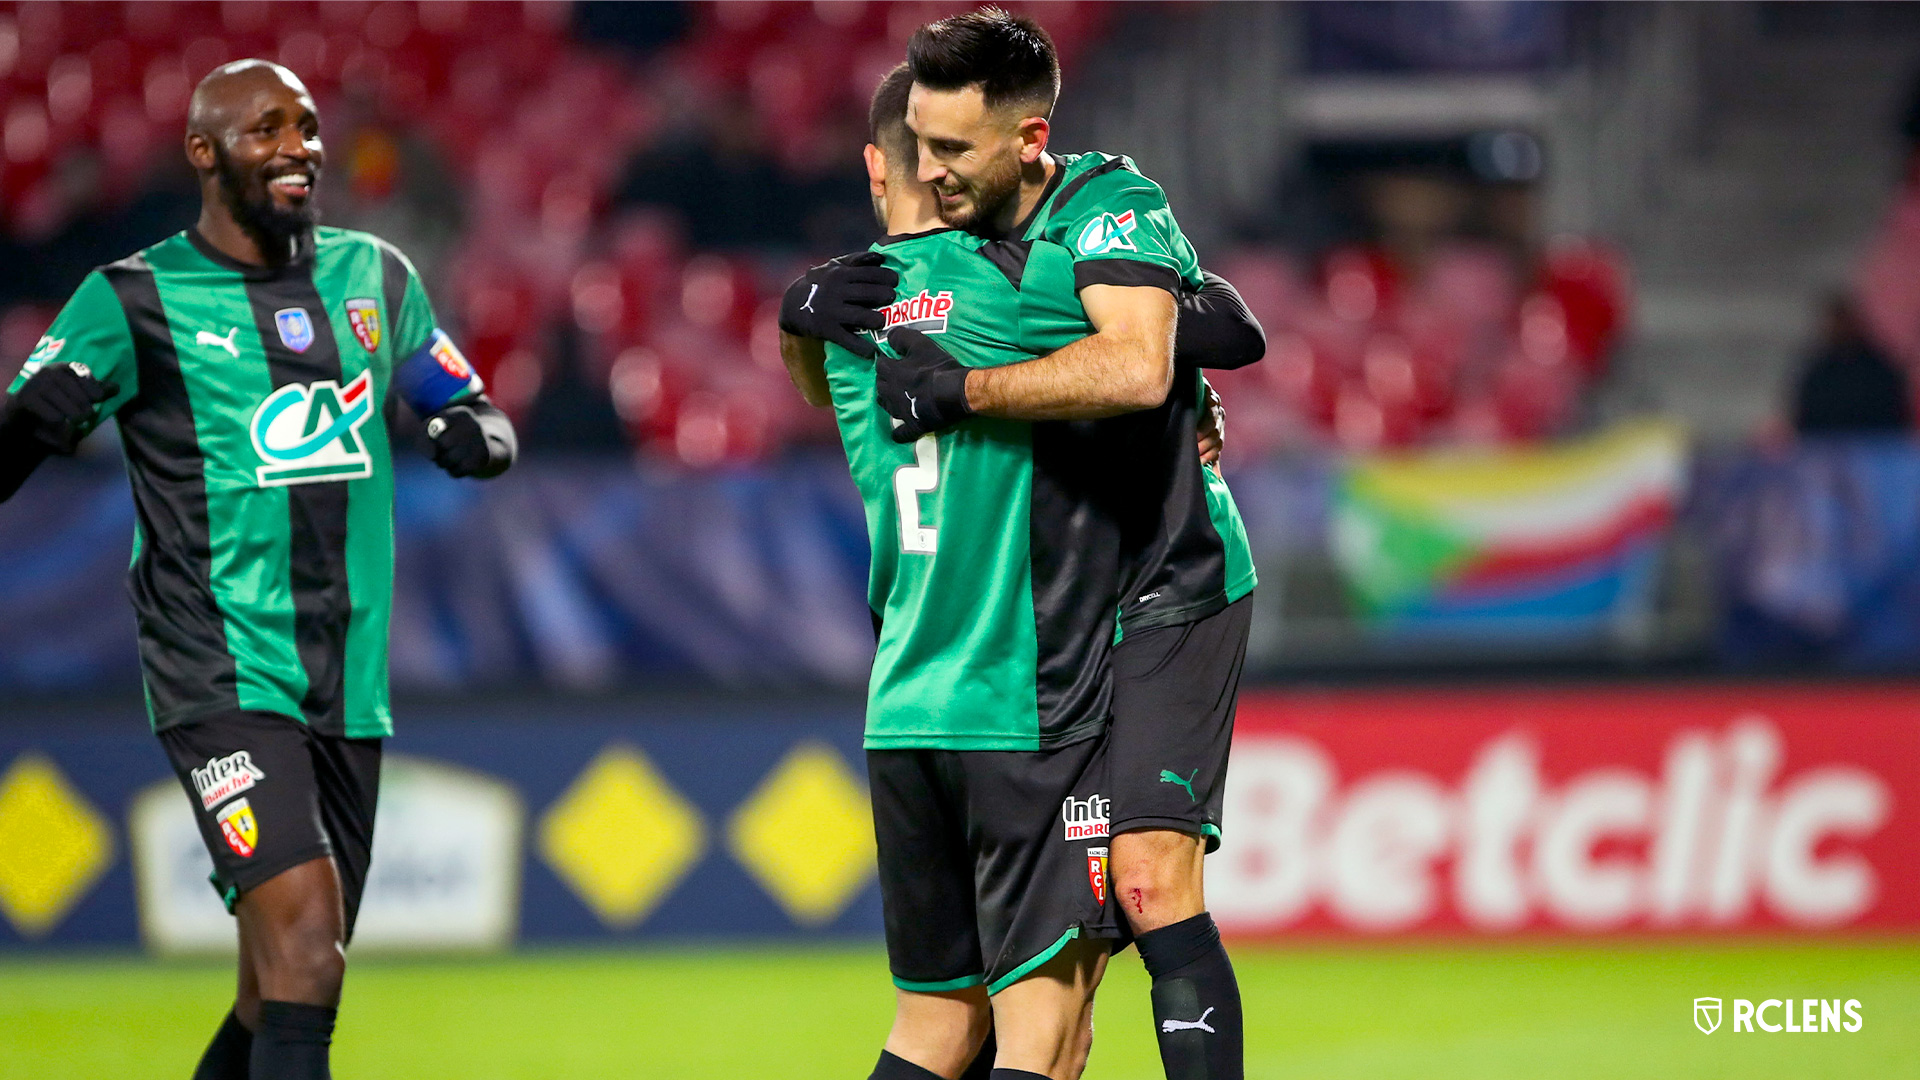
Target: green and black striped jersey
995,568
1186,551
249,405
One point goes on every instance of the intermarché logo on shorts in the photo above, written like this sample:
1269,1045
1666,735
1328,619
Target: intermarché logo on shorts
1805,1015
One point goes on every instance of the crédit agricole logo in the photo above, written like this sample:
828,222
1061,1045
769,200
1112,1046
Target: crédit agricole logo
310,433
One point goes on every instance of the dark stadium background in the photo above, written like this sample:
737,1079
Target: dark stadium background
1569,513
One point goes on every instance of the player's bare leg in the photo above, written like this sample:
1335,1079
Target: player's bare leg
940,1031
1158,875
1044,1022
292,962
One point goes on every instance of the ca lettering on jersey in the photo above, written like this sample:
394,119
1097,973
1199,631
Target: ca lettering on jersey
1108,233
309,434
222,778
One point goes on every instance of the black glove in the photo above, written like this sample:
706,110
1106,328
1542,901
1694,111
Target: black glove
833,300
925,390
54,405
471,440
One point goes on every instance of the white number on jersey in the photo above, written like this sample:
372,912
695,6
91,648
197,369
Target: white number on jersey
909,483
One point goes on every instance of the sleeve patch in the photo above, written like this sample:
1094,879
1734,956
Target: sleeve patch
1108,233
435,376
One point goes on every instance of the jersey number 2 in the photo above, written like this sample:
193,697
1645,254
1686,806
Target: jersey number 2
909,483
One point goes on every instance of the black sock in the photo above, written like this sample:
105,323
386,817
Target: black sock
1196,1001
291,1042
892,1067
226,1056
982,1067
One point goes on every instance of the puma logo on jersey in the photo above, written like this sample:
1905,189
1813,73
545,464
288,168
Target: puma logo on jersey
208,337
811,290
310,434
1168,776
1189,1025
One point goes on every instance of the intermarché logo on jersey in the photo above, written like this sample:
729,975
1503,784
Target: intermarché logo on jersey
222,778
1085,819
926,313
309,434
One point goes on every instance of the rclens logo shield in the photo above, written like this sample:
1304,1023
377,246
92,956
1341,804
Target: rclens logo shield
1706,1014
1097,872
239,829
311,434
363,314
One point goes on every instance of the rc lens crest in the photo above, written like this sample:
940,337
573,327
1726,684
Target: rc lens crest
363,314
1706,1015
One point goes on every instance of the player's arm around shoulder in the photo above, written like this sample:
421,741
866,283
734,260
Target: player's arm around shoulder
806,360
1125,365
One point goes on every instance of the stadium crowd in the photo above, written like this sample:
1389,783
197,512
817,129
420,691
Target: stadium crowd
607,198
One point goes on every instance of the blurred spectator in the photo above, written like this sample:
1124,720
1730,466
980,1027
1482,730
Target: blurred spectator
1887,286
1849,386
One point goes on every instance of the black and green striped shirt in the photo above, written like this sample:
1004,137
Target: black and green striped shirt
249,404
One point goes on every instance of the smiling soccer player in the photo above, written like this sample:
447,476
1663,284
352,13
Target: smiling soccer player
246,361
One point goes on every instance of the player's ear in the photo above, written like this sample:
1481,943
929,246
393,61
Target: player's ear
876,170
1032,133
200,151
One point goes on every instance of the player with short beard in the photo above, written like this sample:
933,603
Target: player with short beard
937,1024
985,83
245,361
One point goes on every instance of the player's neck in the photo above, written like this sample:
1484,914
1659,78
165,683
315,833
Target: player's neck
913,213
1034,180
232,239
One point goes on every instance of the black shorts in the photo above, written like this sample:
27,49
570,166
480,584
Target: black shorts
1174,689
990,861
270,793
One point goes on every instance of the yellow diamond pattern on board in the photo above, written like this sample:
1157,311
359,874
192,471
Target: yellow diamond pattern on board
53,845
806,834
621,836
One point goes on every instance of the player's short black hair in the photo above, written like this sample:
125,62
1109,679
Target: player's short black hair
1010,57
887,120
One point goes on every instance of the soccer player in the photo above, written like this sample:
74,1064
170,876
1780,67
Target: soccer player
824,302
984,86
993,586
246,360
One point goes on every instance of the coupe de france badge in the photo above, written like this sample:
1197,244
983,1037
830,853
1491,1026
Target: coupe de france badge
364,316
296,328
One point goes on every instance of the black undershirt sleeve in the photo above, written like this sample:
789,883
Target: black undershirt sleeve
1215,329
20,454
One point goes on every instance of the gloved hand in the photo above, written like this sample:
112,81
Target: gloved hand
924,390
460,444
1212,426
54,405
834,300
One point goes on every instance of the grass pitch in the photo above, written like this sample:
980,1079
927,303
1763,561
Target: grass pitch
1607,1010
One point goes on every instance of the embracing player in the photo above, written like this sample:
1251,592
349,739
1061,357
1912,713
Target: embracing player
984,86
246,361
996,302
